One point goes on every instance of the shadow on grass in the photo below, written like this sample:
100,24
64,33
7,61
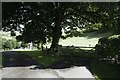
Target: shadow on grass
74,51
70,57
42,58
104,71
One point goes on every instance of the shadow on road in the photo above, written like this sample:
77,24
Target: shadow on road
14,59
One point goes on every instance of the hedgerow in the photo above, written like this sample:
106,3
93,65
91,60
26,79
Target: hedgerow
108,48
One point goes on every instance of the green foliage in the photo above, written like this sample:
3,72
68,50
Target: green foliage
24,45
13,42
18,45
3,43
93,27
0,43
9,44
13,33
109,48
73,33
43,22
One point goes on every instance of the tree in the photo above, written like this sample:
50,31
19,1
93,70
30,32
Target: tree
43,22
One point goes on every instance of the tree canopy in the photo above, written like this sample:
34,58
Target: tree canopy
43,22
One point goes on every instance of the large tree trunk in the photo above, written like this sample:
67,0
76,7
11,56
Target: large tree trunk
57,28
56,36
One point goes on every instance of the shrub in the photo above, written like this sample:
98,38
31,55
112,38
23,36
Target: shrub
7,45
24,45
109,48
3,43
18,45
13,43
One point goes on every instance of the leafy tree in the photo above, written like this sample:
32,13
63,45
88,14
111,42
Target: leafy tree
109,16
43,22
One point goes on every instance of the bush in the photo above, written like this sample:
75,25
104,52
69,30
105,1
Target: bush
24,45
7,45
13,43
17,45
3,43
109,48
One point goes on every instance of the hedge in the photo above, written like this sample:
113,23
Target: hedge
9,44
108,48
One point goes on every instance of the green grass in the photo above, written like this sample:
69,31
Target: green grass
48,59
77,52
103,71
89,39
79,41
42,58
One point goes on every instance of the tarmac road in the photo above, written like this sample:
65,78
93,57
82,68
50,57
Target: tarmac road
14,59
